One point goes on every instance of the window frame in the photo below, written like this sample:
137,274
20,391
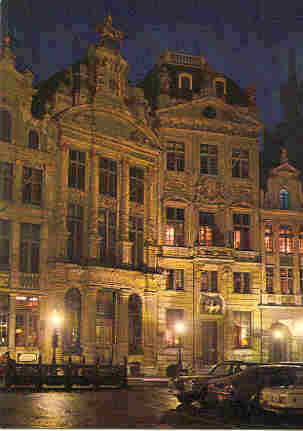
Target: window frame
209,281
242,282
75,225
240,163
210,159
242,231
136,184
107,176
136,236
287,281
175,222
107,229
6,181
6,129
269,279
32,186
77,169
33,143
241,316
30,246
176,279
286,245
175,156
5,242
284,199
172,338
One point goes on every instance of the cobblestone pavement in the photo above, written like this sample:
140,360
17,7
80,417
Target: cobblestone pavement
135,407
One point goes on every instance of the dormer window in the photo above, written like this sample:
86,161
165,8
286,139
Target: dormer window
185,81
284,201
220,87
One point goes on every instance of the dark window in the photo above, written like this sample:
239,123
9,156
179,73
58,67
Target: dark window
33,140
209,281
285,240
219,89
5,235
175,156
5,125
4,319
75,229
208,159
284,199
174,232
6,181
206,229
286,281
185,82
173,337
241,329
136,236
269,279
32,186
268,238
30,248
76,172
108,177
27,317
72,321
241,231
107,231
242,282
240,163
176,279
136,185
134,325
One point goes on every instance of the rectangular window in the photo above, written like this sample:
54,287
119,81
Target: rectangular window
206,229
209,281
176,279
285,240
174,230
268,238
4,319
6,181
136,185
269,279
240,163
241,231
208,159
136,236
107,231
286,281
219,89
241,329
76,171
242,282
5,236
173,337
75,229
30,248
175,156
32,186
27,317
108,177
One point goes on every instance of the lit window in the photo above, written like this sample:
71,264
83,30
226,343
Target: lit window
175,221
241,329
284,199
169,235
286,281
206,229
300,244
285,240
173,339
268,238
241,231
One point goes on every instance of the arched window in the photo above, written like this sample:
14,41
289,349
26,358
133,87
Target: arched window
185,81
134,324
5,125
72,302
284,203
33,140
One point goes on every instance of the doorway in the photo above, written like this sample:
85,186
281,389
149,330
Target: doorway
209,341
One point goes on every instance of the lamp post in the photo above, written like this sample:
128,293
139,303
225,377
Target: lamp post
179,328
56,318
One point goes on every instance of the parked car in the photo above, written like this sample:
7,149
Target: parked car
194,388
250,389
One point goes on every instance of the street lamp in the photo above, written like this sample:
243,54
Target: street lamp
179,328
56,318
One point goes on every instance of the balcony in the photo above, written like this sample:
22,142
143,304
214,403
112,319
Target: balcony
29,281
281,300
213,252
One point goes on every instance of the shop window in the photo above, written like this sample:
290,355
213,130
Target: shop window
173,317
241,329
27,318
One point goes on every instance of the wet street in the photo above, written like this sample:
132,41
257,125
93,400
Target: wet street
135,407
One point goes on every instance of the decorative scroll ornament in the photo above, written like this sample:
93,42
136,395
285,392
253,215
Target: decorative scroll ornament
211,304
211,190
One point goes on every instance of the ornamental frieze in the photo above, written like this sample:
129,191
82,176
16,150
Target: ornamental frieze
211,304
210,126
211,190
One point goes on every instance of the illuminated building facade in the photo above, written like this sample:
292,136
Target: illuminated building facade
126,210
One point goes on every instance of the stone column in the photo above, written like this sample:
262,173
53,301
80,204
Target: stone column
123,324
93,236
15,256
125,244
18,183
43,255
150,216
89,324
149,330
63,159
12,325
276,247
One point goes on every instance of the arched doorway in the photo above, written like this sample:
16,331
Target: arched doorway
134,325
279,343
72,302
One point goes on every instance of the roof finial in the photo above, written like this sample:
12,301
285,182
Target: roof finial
107,31
283,158
7,52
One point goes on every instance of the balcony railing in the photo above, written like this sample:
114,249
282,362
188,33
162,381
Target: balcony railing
279,299
29,281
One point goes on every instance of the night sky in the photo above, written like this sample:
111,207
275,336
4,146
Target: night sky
247,40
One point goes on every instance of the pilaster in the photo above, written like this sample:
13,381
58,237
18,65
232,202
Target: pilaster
93,237
149,329
15,256
12,323
63,202
123,324
89,325
125,244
